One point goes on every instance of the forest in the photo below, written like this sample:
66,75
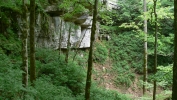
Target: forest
88,49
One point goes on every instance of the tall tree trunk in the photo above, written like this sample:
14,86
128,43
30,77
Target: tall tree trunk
32,42
68,44
60,37
77,47
145,48
155,50
24,46
90,59
174,87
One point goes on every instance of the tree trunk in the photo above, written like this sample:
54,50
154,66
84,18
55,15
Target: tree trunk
155,50
68,44
90,59
32,42
60,37
145,48
77,47
24,46
174,87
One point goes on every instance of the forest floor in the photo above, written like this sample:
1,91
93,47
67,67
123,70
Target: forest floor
104,77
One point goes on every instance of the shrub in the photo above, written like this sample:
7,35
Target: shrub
62,74
163,76
125,52
10,79
103,94
100,53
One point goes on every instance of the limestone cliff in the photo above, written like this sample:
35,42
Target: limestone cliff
52,28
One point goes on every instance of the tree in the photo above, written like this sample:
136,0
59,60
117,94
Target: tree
90,59
60,39
155,50
145,47
68,44
24,45
32,42
174,87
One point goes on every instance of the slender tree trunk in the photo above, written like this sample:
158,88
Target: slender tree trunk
155,50
24,46
60,37
78,46
90,59
68,44
32,42
145,48
174,87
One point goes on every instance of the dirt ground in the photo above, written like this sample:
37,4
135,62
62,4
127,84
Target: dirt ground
104,77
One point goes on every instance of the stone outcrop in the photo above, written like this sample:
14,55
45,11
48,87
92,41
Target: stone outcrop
110,4
79,35
49,28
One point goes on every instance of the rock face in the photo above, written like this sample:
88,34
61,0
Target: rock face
52,30
79,34
49,29
110,4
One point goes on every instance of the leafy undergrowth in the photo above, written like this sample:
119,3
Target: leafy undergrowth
104,77
122,68
56,80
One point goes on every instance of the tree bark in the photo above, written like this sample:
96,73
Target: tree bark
90,59
145,48
155,50
60,39
174,87
77,47
68,44
24,46
32,43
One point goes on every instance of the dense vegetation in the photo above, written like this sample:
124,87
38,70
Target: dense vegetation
58,80
55,78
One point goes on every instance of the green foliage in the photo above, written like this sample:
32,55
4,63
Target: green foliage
126,51
72,8
164,50
62,74
165,45
129,10
100,53
98,93
79,56
12,4
106,17
104,29
10,81
10,45
42,4
56,80
102,94
45,90
164,17
163,76
124,77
